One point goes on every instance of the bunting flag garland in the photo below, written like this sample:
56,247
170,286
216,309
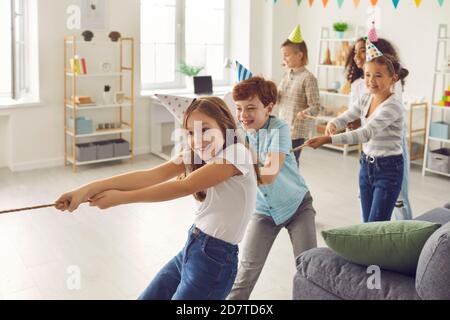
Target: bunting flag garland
356,3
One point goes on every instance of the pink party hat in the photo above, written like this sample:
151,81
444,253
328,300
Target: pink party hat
372,35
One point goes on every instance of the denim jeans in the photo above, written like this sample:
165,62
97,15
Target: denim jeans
204,270
380,181
295,144
403,210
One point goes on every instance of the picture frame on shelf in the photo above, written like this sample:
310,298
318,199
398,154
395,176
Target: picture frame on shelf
119,97
105,66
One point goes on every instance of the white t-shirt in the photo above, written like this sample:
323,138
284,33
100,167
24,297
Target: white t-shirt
228,206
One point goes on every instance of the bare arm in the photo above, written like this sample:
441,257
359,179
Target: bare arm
272,167
200,180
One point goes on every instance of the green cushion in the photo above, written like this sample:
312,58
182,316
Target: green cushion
394,246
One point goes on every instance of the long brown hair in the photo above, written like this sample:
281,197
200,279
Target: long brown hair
216,109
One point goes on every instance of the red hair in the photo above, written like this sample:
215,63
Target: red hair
265,90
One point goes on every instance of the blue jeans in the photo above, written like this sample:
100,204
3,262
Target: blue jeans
403,209
380,181
204,270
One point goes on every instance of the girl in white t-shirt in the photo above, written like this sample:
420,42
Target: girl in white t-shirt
220,172
355,75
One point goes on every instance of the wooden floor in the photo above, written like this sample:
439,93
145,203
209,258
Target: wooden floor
119,251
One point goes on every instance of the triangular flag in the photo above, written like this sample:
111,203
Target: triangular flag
299,2
356,3
418,2
441,2
372,35
242,72
296,35
374,2
177,106
310,2
395,2
325,3
372,51
340,3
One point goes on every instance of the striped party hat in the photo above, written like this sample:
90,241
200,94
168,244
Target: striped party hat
177,106
242,72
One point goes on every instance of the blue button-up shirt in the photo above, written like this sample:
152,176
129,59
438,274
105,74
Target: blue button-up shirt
281,199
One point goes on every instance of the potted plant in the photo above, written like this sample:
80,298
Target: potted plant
340,28
190,72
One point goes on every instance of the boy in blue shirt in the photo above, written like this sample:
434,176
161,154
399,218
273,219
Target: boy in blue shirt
283,199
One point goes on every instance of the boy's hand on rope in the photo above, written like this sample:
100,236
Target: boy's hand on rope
330,129
317,142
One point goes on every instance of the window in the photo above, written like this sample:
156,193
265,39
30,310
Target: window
18,53
5,50
172,31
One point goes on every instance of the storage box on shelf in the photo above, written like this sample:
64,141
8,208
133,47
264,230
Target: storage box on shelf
80,123
439,160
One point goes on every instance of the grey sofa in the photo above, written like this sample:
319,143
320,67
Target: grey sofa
323,275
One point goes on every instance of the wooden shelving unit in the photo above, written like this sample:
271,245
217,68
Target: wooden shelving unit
441,81
327,73
123,78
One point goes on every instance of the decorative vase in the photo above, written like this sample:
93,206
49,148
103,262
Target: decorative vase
340,34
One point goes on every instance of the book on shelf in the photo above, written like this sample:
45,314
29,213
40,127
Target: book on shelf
78,66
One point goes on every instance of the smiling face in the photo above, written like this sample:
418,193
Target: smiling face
252,114
379,80
360,54
292,58
205,136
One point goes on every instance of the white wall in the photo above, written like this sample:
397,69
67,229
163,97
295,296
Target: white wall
412,30
36,133
4,141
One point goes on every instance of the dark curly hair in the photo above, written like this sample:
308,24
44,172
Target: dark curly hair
354,73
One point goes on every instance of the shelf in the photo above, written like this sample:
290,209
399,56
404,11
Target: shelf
440,108
80,108
96,75
442,73
125,129
334,94
78,163
330,66
95,43
437,172
439,140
